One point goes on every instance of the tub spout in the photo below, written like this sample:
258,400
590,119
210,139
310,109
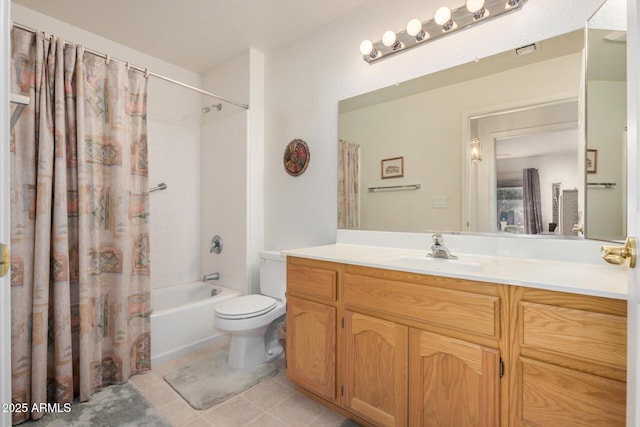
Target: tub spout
210,276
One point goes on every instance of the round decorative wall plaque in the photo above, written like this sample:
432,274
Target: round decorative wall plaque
296,157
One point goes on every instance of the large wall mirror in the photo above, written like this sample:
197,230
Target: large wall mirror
499,145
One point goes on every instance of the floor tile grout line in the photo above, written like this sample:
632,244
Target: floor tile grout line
278,379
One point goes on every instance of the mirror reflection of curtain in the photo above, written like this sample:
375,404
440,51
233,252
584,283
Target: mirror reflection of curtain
532,202
348,185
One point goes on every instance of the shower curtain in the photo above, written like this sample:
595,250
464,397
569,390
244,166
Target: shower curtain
532,201
348,185
80,268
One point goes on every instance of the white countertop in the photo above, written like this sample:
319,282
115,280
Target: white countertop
580,278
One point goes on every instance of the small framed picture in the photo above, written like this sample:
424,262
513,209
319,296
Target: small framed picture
592,161
393,168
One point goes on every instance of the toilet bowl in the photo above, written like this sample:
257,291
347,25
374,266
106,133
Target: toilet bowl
252,319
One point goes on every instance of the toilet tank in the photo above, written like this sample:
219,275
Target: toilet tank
273,274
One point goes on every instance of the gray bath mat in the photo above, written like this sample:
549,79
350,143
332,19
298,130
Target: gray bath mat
116,405
211,380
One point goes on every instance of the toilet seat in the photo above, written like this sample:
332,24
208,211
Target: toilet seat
245,307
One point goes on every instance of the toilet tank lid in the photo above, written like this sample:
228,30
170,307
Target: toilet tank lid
272,255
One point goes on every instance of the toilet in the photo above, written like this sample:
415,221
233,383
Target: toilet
252,320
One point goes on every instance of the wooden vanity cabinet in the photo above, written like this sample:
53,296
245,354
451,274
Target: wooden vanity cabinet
312,326
411,358
569,355
391,348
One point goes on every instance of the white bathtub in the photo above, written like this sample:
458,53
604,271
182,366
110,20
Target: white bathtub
182,319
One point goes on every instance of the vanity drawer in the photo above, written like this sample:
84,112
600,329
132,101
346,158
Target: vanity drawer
578,333
450,308
309,278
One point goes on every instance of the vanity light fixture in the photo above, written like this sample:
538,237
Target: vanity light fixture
476,149
445,21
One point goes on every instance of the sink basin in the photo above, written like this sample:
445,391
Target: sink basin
427,262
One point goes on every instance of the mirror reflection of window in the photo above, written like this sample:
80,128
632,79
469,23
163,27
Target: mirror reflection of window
510,209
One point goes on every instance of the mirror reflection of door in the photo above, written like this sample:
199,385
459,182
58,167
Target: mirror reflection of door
539,144
606,123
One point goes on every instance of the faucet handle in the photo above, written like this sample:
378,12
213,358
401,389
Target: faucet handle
437,239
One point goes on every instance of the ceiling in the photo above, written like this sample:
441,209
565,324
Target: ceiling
195,34
534,145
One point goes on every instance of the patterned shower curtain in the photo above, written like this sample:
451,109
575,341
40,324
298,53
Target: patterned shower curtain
80,285
348,185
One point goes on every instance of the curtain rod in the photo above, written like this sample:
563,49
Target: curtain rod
147,72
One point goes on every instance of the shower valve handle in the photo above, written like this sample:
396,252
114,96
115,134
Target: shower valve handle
216,245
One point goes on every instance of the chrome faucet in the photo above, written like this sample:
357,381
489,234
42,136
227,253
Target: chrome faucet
438,249
210,276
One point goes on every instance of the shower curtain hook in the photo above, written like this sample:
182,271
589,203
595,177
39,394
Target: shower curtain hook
146,73
108,59
128,66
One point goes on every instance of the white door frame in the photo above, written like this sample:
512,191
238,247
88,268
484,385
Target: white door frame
470,172
5,292
633,211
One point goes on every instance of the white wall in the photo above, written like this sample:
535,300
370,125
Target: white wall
231,172
306,79
607,119
223,175
173,127
255,165
223,195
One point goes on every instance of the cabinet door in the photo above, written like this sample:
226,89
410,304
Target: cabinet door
375,369
453,382
311,346
555,396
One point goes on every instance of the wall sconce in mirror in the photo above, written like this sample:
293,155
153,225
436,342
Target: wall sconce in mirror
476,150
445,21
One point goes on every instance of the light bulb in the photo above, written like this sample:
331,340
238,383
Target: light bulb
474,6
366,47
389,38
443,15
414,27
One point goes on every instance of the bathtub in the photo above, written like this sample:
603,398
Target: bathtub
182,319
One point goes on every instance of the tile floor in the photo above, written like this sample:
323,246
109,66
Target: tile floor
271,403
